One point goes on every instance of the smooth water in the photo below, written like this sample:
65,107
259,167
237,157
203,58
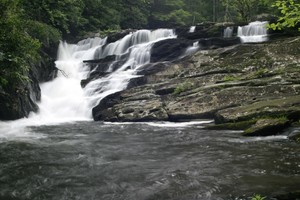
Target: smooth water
254,32
139,161
228,32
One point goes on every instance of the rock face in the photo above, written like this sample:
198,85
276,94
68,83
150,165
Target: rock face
257,82
19,102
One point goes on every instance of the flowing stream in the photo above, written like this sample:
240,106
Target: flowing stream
144,161
61,154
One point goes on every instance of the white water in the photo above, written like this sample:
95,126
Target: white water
192,29
228,32
192,49
137,45
63,100
255,32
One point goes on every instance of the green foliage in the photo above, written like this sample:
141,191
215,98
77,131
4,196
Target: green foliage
289,14
258,197
17,47
243,8
169,13
46,34
183,87
65,15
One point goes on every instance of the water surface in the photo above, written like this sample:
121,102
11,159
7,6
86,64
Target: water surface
93,160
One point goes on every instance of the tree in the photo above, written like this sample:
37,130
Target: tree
289,14
17,47
134,13
244,8
168,13
64,15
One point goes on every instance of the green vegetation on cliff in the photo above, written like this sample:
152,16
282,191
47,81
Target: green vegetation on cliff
17,47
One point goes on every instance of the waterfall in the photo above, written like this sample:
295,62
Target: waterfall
137,47
228,32
64,99
254,32
192,29
192,49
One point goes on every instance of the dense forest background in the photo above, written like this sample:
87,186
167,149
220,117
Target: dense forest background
28,27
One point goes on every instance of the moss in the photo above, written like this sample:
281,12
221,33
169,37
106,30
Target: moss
183,87
267,126
233,125
230,78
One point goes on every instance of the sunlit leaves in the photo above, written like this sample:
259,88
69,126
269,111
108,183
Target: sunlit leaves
290,14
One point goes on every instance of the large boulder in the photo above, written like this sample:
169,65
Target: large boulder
134,105
169,49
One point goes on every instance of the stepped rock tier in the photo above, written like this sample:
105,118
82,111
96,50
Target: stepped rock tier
204,71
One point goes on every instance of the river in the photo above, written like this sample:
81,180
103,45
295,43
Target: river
143,161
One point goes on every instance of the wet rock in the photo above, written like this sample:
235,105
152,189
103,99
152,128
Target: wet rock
113,37
285,106
213,43
249,84
103,110
20,102
100,65
267,127
291,195
168,50
295,135
131,106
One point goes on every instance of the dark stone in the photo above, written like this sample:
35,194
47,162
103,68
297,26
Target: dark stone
100,112
203,30
165,91
44,70
295,135
136,82
169,49
152,68
101,65
291,195
20,102
113,37
95,75
214,43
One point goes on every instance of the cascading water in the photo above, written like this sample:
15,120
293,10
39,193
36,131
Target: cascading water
192,29
228,32
191,50
254,32
137,47
63,99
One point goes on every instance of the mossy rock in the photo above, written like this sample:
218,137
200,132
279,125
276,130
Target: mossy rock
295,135
232,126
267,127
266,108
